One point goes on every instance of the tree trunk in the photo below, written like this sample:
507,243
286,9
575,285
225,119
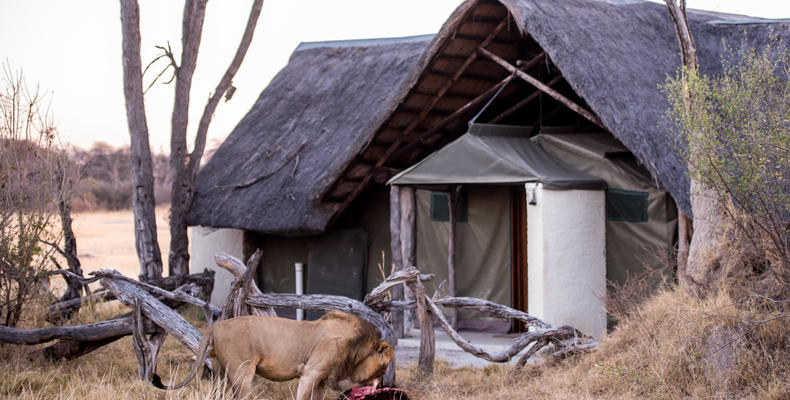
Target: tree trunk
191,33
185,165
704,260
146,242
700,271
74,287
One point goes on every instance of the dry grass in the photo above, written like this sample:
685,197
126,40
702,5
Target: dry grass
673,346
670,347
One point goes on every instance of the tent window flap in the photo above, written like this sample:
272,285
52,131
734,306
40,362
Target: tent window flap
440,208
626,205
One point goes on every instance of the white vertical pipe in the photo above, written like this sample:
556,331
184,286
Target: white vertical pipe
299,268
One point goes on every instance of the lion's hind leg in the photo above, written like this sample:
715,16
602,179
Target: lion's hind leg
240,376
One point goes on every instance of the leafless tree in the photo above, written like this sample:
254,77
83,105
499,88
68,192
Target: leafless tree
35,185
184,164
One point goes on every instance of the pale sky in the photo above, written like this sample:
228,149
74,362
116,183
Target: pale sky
73,49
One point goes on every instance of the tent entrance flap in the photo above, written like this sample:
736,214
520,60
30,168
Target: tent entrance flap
495,154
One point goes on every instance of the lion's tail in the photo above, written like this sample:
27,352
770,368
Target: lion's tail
199,361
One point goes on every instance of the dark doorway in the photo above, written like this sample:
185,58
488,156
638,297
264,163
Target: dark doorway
518,224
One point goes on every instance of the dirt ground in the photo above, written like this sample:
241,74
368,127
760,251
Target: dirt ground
105,240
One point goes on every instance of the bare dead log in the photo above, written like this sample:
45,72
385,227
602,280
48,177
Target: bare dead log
566,339
491,308
178,295
55,311
238,269
161,315
242,286
203,280
146,348
83,333
377,297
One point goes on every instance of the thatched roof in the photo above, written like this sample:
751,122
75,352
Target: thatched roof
615,56
387,106
315,115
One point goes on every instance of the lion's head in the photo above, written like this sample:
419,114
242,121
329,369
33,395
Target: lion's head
371,368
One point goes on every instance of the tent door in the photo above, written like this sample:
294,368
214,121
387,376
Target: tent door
518,248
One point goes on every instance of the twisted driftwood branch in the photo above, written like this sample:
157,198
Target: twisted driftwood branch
566,339
243,285
178,294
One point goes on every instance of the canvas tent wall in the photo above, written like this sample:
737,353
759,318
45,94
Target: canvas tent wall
638,233
483,238
490,160
641,218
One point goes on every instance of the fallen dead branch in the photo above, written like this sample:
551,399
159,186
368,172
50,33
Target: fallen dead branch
566,340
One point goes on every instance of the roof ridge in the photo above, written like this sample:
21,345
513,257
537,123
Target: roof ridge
363,42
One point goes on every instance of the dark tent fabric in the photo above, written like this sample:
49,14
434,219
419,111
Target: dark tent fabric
495,154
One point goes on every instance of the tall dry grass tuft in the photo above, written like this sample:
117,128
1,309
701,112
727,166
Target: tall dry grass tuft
671,346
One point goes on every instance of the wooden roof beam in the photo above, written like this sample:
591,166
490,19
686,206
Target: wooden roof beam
458,113
494,32
543,87
426,110
451,75
524,102
478,38
450,93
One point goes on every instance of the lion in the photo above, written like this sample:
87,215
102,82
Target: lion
339,350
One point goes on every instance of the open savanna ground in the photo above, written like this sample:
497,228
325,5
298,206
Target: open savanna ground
105,240
668,347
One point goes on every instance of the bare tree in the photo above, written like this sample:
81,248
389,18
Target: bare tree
146,242
35,182
698,271
184,164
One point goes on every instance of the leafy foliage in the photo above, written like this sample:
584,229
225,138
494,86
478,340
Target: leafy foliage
737,142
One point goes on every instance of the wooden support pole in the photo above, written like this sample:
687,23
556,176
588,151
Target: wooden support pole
408,232
451,203
543,87
427,335
396,316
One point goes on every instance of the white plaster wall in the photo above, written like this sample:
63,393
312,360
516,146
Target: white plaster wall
567,258
204,243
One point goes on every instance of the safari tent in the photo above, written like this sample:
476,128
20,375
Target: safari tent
304,174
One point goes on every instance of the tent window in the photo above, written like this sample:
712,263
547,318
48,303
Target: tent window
626,205
440,210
